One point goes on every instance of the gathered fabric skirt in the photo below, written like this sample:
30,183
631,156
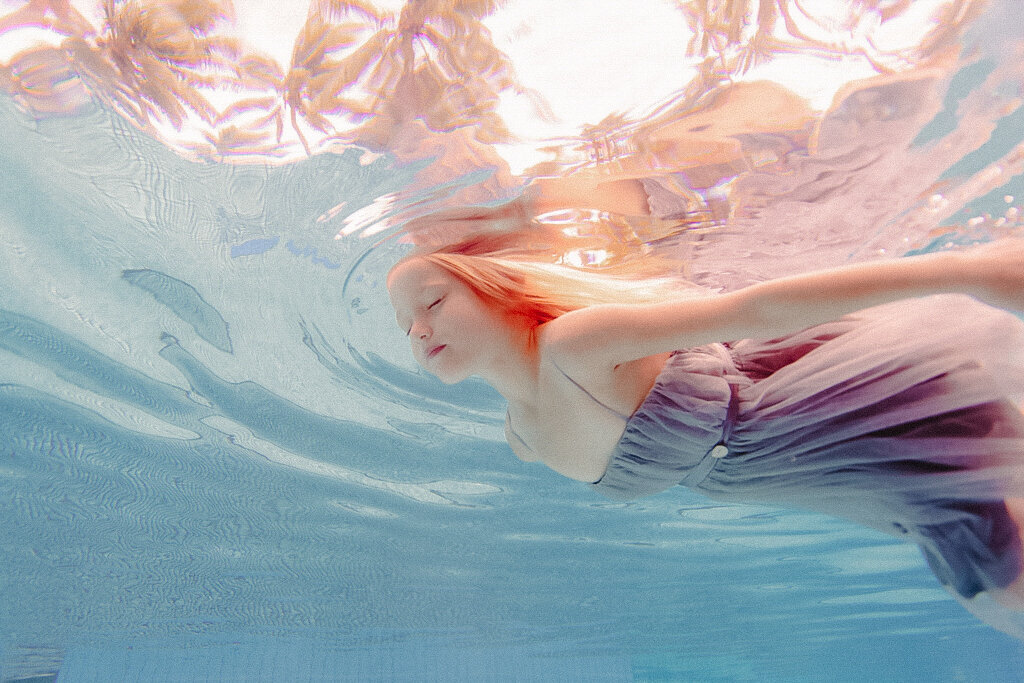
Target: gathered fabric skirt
904,417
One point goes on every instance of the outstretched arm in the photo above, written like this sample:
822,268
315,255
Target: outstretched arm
608,335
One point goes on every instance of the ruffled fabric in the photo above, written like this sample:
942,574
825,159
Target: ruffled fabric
904,417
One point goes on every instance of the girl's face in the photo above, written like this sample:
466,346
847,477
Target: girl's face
453,333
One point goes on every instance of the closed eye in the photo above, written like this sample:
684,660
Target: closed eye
409,331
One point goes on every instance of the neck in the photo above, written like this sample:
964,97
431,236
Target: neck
513,369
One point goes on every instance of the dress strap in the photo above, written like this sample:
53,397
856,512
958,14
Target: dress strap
609,409
508,423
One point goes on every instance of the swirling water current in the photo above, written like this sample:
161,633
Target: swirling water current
214,464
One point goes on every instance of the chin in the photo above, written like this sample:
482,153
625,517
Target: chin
441,377
448,378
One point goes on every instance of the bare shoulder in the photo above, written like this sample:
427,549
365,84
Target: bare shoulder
562,345
622,381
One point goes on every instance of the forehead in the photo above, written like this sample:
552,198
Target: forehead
410,278
413,275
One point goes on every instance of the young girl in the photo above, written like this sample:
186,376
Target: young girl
877,392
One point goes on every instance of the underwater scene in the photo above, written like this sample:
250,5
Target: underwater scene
219,459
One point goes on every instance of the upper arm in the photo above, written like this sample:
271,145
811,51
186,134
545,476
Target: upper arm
607,335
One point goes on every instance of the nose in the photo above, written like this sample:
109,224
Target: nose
419,331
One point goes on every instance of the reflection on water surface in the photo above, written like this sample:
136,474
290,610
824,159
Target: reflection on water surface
212,437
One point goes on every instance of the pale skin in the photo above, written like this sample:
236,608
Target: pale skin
616,351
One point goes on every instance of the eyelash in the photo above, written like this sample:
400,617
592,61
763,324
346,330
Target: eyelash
428,308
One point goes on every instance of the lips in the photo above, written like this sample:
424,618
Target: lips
434,351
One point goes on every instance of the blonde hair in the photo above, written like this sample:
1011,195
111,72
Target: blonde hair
539,291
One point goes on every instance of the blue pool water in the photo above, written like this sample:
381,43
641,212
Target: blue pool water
202,471
219,462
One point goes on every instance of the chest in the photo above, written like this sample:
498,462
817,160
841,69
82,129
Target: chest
569,429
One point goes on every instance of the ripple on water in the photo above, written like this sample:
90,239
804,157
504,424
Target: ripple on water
445,492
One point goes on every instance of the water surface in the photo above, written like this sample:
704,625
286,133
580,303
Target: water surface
217,455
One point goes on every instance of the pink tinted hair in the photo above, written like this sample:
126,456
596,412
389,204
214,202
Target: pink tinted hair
493,267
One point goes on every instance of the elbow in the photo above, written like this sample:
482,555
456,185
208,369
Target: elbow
747,313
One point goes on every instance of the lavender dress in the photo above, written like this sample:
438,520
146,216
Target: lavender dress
903,417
